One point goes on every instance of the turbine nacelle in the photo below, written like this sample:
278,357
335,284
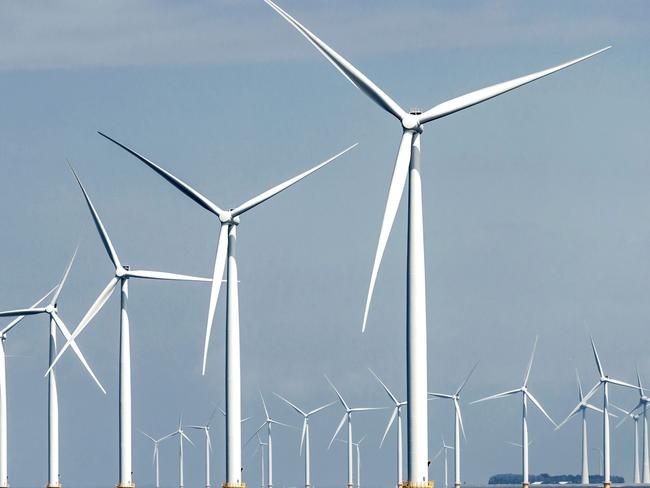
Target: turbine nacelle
411,122
227,217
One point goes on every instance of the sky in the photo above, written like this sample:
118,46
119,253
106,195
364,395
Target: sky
537,221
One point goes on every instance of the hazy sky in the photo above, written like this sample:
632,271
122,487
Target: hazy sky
537,220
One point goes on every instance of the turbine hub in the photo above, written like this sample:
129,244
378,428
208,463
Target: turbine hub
49,309
411,122
120,272
227,218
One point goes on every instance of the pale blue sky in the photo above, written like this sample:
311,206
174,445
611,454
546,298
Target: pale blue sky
536,204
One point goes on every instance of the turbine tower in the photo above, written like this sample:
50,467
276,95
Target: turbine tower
525,396
635,417
443,451
397,413
121,276
458,424
304,437
156,457
55,323
604,382
347,416
268,422
208,445
181,435
226,252
581,409
407,166
357,448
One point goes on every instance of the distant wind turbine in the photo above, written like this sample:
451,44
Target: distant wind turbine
397,413
525,396
208,445
643,405
357,447
443,451
121,275
347,416
156,457
604,382
304,437
226,252
55,323
458,423
635,417
407,166
181,435
581,409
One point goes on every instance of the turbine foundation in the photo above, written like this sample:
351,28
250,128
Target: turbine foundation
233,485
606,485
416,484
124,485
53,485
525,485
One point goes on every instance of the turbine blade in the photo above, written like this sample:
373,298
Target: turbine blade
599,365
106,240
147,435
322,407
576,409
262,197
176,182
55,298
594,408
388,426
498,395
161,275
66,333
388,392
622,383
345,405
290,404
460,417
22,311
440,395
638,380
15,322
92,311
304,432
217,275
282,424
530,363
356,77
469,375
478,96
541,409
188,439
580,392
266,412
254,434
398,180
345,416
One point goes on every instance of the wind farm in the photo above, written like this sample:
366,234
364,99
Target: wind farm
392,313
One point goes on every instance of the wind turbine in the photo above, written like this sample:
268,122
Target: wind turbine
208,445
181,435
581,409
347,416
443,451
635,417
525,396
56,323
458,423
156,457
304,437
407,165
226,248
397,413
643,404
268,422
121,276
260,447
356,445
604,382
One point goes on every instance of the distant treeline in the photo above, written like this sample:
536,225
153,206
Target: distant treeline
545,478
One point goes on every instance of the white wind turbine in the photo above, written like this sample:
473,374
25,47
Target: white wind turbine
604,382
397,413
156,457
122,274
268,422
635,417
55,323
181,435
407,165
226,251
525,396
347,416
458,423
304,437
443,451
208,445
260,448
357,448
643,404
581,409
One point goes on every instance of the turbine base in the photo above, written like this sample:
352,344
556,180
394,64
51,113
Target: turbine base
457,485
525,485
233,485
53,485
416,484
124,485
606,484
